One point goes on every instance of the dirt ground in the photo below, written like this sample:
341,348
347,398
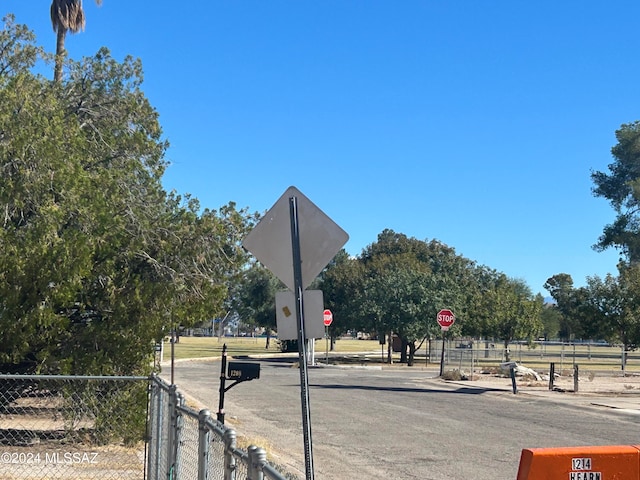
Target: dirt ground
598,383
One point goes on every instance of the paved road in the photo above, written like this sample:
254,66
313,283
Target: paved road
404,424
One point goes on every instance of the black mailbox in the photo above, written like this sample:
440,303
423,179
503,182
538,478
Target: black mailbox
243,371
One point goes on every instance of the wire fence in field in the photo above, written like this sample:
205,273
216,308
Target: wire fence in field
470,355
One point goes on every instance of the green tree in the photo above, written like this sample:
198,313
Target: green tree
568,305
401,302
18,50
621,187
629,281
479,317
406,282
340,283
254,297
615,306
551,319
97,260
516,312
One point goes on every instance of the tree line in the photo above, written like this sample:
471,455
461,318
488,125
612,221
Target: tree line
398,284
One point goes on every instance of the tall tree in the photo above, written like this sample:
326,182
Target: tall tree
615,306
340,283
621,186
66,16
551,319
569,305
516,312
254,297
97,261
407,281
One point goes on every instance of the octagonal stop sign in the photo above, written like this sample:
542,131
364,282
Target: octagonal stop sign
327,317
445,318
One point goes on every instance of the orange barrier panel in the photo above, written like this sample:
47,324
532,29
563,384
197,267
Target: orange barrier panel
620,462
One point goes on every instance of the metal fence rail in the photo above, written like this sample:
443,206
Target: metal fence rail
191,444
107,427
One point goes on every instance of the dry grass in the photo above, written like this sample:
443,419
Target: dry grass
203,347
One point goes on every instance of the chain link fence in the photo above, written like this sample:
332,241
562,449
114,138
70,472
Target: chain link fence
107,427
69,427
186,444
468,356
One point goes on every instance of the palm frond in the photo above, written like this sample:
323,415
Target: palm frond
68,15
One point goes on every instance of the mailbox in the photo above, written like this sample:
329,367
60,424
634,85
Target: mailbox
242,371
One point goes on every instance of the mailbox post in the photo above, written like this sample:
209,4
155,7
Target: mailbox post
238,371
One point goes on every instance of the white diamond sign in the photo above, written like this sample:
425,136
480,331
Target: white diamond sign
320,239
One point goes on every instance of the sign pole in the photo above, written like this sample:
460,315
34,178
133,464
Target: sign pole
327,318
445,319
326,336
302,354
442,354
426,351
318,240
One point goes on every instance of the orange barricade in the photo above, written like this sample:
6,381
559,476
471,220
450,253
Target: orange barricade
620,462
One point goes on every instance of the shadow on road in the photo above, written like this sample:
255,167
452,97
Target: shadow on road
288,362
462,390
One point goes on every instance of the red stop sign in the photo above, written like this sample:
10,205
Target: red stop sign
445,318
327,316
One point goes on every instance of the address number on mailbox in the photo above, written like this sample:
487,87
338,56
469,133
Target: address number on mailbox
242,371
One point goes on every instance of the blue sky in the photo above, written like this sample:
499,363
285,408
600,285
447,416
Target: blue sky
473,122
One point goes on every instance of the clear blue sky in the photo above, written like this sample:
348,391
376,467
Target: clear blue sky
473,122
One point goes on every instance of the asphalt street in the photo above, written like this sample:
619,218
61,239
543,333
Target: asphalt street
400,423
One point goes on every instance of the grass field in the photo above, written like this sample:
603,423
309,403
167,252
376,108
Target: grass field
594,358
201,347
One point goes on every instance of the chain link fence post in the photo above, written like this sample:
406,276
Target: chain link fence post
155,430
257,460
229,439
172,432
203,443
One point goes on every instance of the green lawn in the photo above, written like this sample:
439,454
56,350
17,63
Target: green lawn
202,347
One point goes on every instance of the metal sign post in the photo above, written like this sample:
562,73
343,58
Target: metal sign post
442,354
327,318
445,319
302,354
294,225
326,345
